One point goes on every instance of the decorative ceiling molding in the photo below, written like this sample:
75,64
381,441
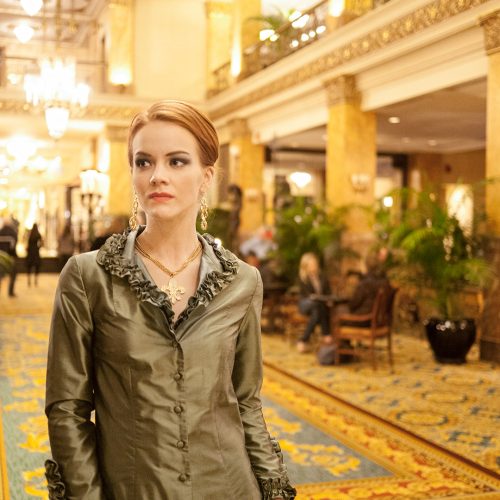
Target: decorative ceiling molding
491,27
411,24
93,112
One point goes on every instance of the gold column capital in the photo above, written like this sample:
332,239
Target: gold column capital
116,133
491,27
123,3
238,127
341,90
219,8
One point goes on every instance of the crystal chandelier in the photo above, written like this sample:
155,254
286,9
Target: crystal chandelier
55,89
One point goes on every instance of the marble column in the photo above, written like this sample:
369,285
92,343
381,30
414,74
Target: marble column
219,16
490,331
351,157
246,170
120,182
120,46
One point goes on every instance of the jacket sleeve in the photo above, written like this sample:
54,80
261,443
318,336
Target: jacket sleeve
69,393
263,451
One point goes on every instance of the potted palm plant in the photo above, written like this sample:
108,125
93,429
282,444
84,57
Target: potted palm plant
444,261
303,227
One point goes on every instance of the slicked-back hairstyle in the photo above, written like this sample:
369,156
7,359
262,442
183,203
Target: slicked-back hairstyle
186,116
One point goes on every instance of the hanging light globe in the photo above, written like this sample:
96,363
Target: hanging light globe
24,32
31,7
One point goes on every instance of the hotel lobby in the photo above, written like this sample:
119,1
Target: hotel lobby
344,126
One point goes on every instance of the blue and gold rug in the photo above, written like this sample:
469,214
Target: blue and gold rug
456,407
333,451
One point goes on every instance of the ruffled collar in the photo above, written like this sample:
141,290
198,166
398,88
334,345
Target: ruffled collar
219,267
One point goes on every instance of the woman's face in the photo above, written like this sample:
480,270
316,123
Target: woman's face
167,174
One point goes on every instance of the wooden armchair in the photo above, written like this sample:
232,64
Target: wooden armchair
355,331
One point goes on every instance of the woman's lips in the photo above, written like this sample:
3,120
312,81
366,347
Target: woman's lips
160,196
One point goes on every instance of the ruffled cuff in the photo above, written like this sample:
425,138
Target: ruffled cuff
277,486
57,490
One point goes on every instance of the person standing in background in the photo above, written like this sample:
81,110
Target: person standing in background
8,243
33,260
66,245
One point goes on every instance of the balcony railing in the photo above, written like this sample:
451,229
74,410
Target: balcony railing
288,39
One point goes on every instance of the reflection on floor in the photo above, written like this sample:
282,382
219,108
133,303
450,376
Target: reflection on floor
333,451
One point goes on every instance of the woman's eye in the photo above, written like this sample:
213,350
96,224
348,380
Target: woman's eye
178,162
142,162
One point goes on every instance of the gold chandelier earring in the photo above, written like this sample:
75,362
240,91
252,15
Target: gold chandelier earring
203,213
132,222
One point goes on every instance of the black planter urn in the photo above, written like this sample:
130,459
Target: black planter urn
450,340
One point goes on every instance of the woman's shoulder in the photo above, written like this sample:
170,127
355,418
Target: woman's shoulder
84,263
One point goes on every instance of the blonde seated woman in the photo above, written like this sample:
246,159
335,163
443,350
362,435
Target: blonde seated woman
312,284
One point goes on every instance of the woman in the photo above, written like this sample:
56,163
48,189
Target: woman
33,260
159,332
313,284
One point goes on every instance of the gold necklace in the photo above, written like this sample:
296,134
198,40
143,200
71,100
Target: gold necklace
172,289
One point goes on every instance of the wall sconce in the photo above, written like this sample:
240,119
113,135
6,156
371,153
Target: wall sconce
94,186
360,182
252,194
234,150
300,179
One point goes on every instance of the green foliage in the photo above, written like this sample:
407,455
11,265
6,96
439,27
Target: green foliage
432,251
273,21
217,225
304,227
6,263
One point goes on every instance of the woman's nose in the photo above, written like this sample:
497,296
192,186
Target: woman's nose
159,175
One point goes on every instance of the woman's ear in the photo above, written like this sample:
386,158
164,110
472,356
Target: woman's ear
208,175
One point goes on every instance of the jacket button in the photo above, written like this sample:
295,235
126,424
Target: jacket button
178,409
183,478
178,376
180,444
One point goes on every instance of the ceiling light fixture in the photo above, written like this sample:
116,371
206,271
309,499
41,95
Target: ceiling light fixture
55,89
31,7
394,119
24,32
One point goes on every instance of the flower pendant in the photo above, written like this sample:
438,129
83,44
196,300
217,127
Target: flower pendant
173,291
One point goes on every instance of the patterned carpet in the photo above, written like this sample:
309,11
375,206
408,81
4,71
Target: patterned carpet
454,406
344,438
333,450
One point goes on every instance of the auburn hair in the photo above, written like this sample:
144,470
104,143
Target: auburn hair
186,116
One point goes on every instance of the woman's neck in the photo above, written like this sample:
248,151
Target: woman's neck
170,243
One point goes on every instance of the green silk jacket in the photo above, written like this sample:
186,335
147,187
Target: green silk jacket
177,405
